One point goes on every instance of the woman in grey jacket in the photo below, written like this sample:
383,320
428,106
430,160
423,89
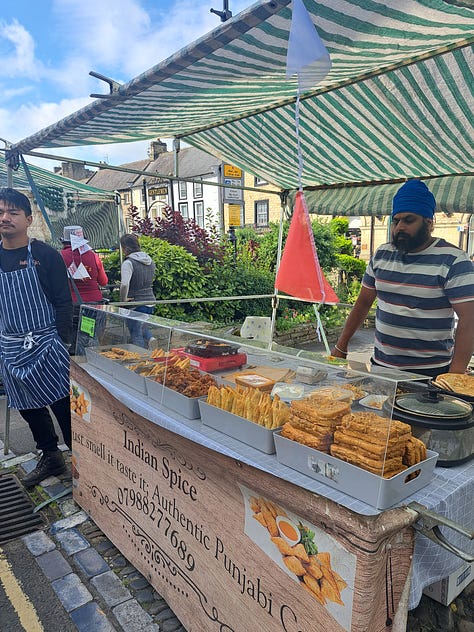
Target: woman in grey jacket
136,284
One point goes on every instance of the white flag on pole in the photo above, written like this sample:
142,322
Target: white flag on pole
306,56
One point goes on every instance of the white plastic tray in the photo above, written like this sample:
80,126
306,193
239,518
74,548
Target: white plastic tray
237,427
374,490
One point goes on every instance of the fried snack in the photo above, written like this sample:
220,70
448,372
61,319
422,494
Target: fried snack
312,585
356,391
309,427
330,591
117,353
294,565
321,443
269,518
456,382
188,381
415,452
389,468
320,409
282,545
300,552
314,567
374,427
333,393
251,404
368,448
259,518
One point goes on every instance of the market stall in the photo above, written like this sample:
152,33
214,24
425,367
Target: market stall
196,505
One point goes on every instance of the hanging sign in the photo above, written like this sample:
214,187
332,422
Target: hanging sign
232,194
234,214
232,172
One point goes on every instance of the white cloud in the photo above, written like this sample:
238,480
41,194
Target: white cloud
35,117
21,61
116,38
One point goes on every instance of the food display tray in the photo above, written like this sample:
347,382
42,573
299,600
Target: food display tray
95,357
374,490
186,406
130,378
237,427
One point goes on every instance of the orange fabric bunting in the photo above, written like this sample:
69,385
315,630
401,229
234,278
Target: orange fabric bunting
300,274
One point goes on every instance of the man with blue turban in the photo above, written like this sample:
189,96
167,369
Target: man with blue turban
420,282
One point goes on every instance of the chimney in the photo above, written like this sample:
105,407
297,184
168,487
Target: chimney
156,148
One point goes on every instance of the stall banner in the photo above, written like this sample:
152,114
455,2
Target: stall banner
224,543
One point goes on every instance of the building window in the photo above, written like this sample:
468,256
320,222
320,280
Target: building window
182,190
261,212
258,182
183,209
197,189
199,213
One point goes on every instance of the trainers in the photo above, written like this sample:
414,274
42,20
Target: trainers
51,463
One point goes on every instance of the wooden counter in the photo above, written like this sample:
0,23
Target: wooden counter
199,525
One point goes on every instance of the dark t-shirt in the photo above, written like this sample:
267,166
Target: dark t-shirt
52,276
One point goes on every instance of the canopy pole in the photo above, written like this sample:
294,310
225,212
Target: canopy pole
275,300
321,328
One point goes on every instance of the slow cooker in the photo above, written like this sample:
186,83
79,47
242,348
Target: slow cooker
444,423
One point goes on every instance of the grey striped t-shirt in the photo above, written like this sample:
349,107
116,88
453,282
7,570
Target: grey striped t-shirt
415,293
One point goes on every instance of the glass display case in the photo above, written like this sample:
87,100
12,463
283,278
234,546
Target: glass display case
323,420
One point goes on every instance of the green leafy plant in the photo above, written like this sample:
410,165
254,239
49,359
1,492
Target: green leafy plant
307,539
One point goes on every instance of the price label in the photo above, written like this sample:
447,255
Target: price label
88,325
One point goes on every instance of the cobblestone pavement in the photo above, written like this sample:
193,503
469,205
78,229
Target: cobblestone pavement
102,592
96,585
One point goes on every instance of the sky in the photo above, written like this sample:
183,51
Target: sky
48,48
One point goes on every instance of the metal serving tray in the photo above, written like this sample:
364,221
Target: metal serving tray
95,357
238,427
186,406
374,490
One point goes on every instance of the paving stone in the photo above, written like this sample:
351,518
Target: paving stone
48,482
38,543
170,625
152,627
29,466
145,595
53,565
70,521
68,507
57,488
91,562
72,541
104,546
7,461
90,618
111,588
131,616
118,562
139,582
166,615
71,591
157,606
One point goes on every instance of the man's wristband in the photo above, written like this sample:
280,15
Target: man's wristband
340,350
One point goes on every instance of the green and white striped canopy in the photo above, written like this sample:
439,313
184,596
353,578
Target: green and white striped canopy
397,103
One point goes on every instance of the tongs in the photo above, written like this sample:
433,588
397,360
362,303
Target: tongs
429,526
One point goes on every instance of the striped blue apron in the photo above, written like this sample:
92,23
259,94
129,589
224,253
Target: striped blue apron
33,359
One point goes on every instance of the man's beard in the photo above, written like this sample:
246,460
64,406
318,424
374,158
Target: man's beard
404,243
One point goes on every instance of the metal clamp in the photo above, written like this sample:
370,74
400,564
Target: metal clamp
430,528
114,86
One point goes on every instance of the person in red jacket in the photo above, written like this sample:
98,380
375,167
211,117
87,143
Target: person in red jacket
86,273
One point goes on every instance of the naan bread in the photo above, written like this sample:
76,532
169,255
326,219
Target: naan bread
456,382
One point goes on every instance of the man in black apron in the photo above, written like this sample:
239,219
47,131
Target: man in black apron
35,332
